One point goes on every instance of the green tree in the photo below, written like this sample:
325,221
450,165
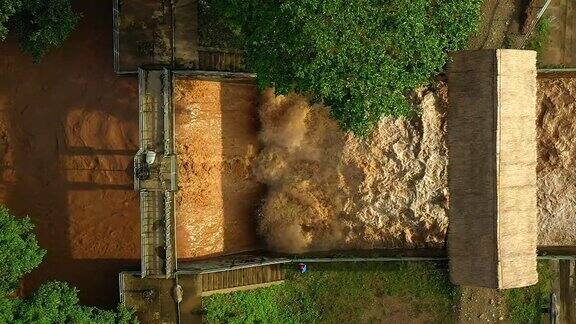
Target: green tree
57,302
8,8
8,308
53,302
360,57
19,250
40,25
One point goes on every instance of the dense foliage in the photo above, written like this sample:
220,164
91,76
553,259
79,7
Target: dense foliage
341,293
540,36
211,32
57,302
53,302
8,8
19,250
361,57
40,25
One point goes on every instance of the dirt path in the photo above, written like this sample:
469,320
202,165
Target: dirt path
387,309
500,19
480,305
68,132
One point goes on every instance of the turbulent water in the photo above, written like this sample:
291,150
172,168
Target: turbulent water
557,161
331,190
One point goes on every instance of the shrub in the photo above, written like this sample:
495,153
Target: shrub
19,250
40,25
8,308
57,302
540,36
361,57
7,9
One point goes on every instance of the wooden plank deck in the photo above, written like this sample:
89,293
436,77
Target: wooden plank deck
241,279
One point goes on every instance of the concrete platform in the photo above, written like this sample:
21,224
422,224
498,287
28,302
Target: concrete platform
181,34
153,299
179,299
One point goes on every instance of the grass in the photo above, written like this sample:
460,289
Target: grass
524,305
540,36
340,292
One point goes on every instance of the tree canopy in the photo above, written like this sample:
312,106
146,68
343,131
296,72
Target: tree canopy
360,57
19,250
57,302
40,25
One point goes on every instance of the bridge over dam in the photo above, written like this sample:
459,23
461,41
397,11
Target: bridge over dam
155,174
164,291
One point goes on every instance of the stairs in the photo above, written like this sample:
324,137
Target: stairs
197,285
214,59
242,279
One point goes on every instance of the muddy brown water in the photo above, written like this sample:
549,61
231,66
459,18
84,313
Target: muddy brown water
68,133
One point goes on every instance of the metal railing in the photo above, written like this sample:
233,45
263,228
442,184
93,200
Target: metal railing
158,183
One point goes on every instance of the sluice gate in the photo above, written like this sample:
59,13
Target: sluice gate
155,173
